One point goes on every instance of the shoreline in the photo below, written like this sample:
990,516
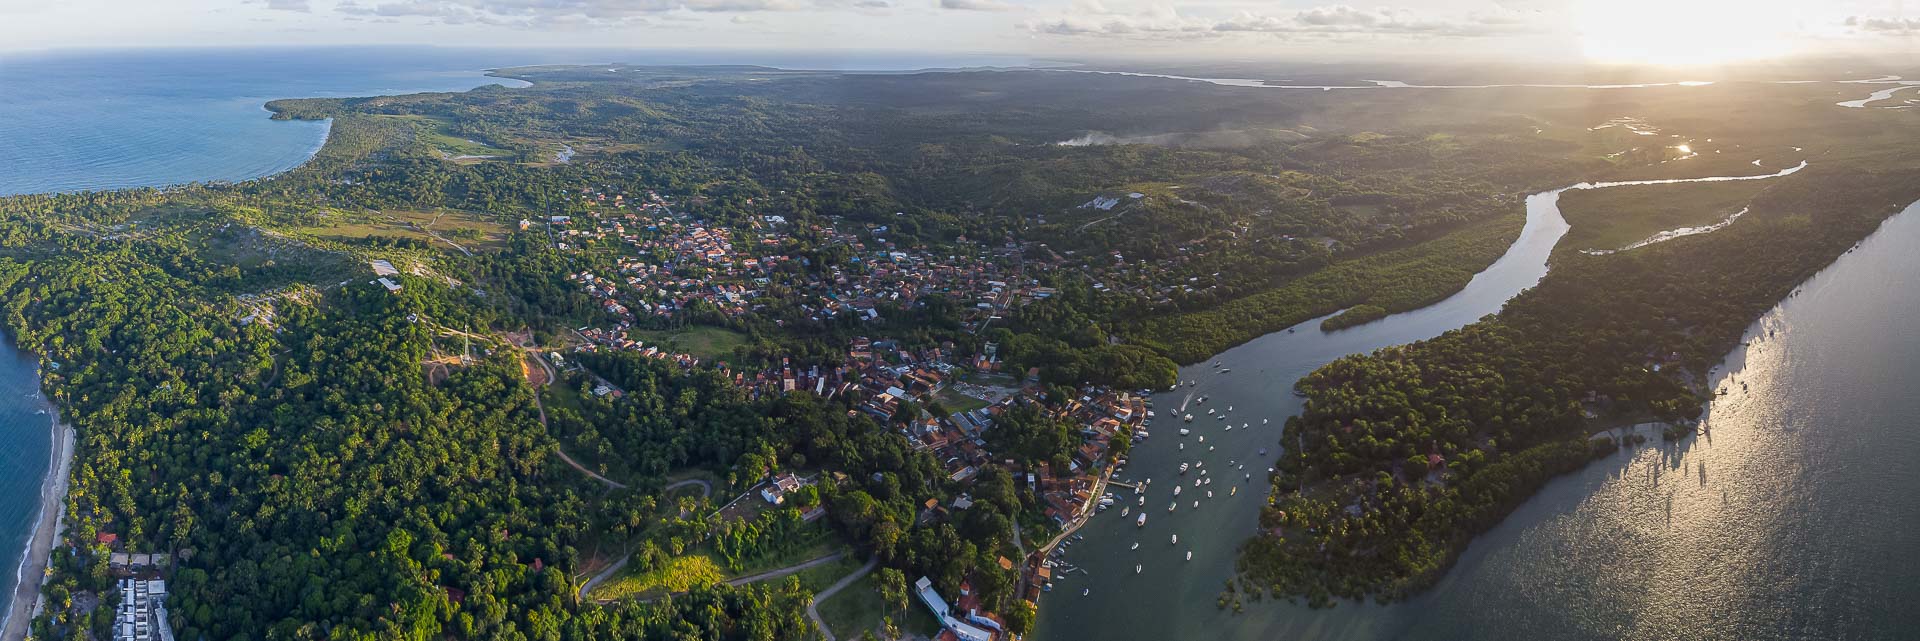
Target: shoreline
47,527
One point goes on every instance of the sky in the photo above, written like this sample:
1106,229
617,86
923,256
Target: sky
1623,31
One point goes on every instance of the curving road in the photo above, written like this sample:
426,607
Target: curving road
845,581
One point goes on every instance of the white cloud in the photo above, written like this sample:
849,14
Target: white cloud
978,5
1893,26
1095,19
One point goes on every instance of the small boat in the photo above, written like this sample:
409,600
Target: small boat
1229,427
1189,555
1183,446
1196,504
1176,490
1185,431
1176,539
1136,568
1263,421
1172,506
1226,370
1209,448
1236,490
1143,499
1203,438
1229,408
1209,493
1263,450
1183,468
1289,330
1196,482
1209,410
1136,546
1125,509
1189,418
1090,590
1140,522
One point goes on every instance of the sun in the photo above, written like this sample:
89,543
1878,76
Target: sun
1685,32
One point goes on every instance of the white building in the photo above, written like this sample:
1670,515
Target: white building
142,615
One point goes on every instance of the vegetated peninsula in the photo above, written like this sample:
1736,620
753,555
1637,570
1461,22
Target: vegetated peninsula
1403,455
645,353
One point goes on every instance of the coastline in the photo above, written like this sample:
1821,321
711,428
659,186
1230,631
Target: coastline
25,602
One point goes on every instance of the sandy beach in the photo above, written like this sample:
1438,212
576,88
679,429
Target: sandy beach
32,570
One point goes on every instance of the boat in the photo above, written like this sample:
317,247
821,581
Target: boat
1263,421
1176,490
1185,431
1136,544
1263,450
1196,504
1189,418
1136,568
1143,497
1172,506
1176,539
1196,482
1236,490
1140,522
1209,495
1209,410
1183,468
1209,448
1229,408
1090,590
1226,370
1189,555
1125,509
1203,438
1183,446
1229,427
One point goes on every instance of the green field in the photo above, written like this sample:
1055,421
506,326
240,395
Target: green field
859,607
1614,218
438,134
707,343
677,575
468,229
959,403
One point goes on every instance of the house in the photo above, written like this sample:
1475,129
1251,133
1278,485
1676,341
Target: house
776,491
392,287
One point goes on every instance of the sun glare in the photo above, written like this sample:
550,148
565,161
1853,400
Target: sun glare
1685,32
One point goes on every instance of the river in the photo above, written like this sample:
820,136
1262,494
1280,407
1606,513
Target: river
1787,521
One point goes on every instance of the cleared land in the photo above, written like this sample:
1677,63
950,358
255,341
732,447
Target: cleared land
1614,218
708,343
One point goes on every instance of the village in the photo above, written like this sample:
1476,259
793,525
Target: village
670,262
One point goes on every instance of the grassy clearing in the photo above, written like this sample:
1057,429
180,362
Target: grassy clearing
1613,218
437,134
959,403
859,608
677,575
470,230
708,343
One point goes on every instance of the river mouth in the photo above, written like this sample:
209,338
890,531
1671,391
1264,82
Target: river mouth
1174,597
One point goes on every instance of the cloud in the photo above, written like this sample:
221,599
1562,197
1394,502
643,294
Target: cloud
561,13
978,5
1092,18
1894,26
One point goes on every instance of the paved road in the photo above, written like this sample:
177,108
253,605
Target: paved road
583,469
833,589
791,569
